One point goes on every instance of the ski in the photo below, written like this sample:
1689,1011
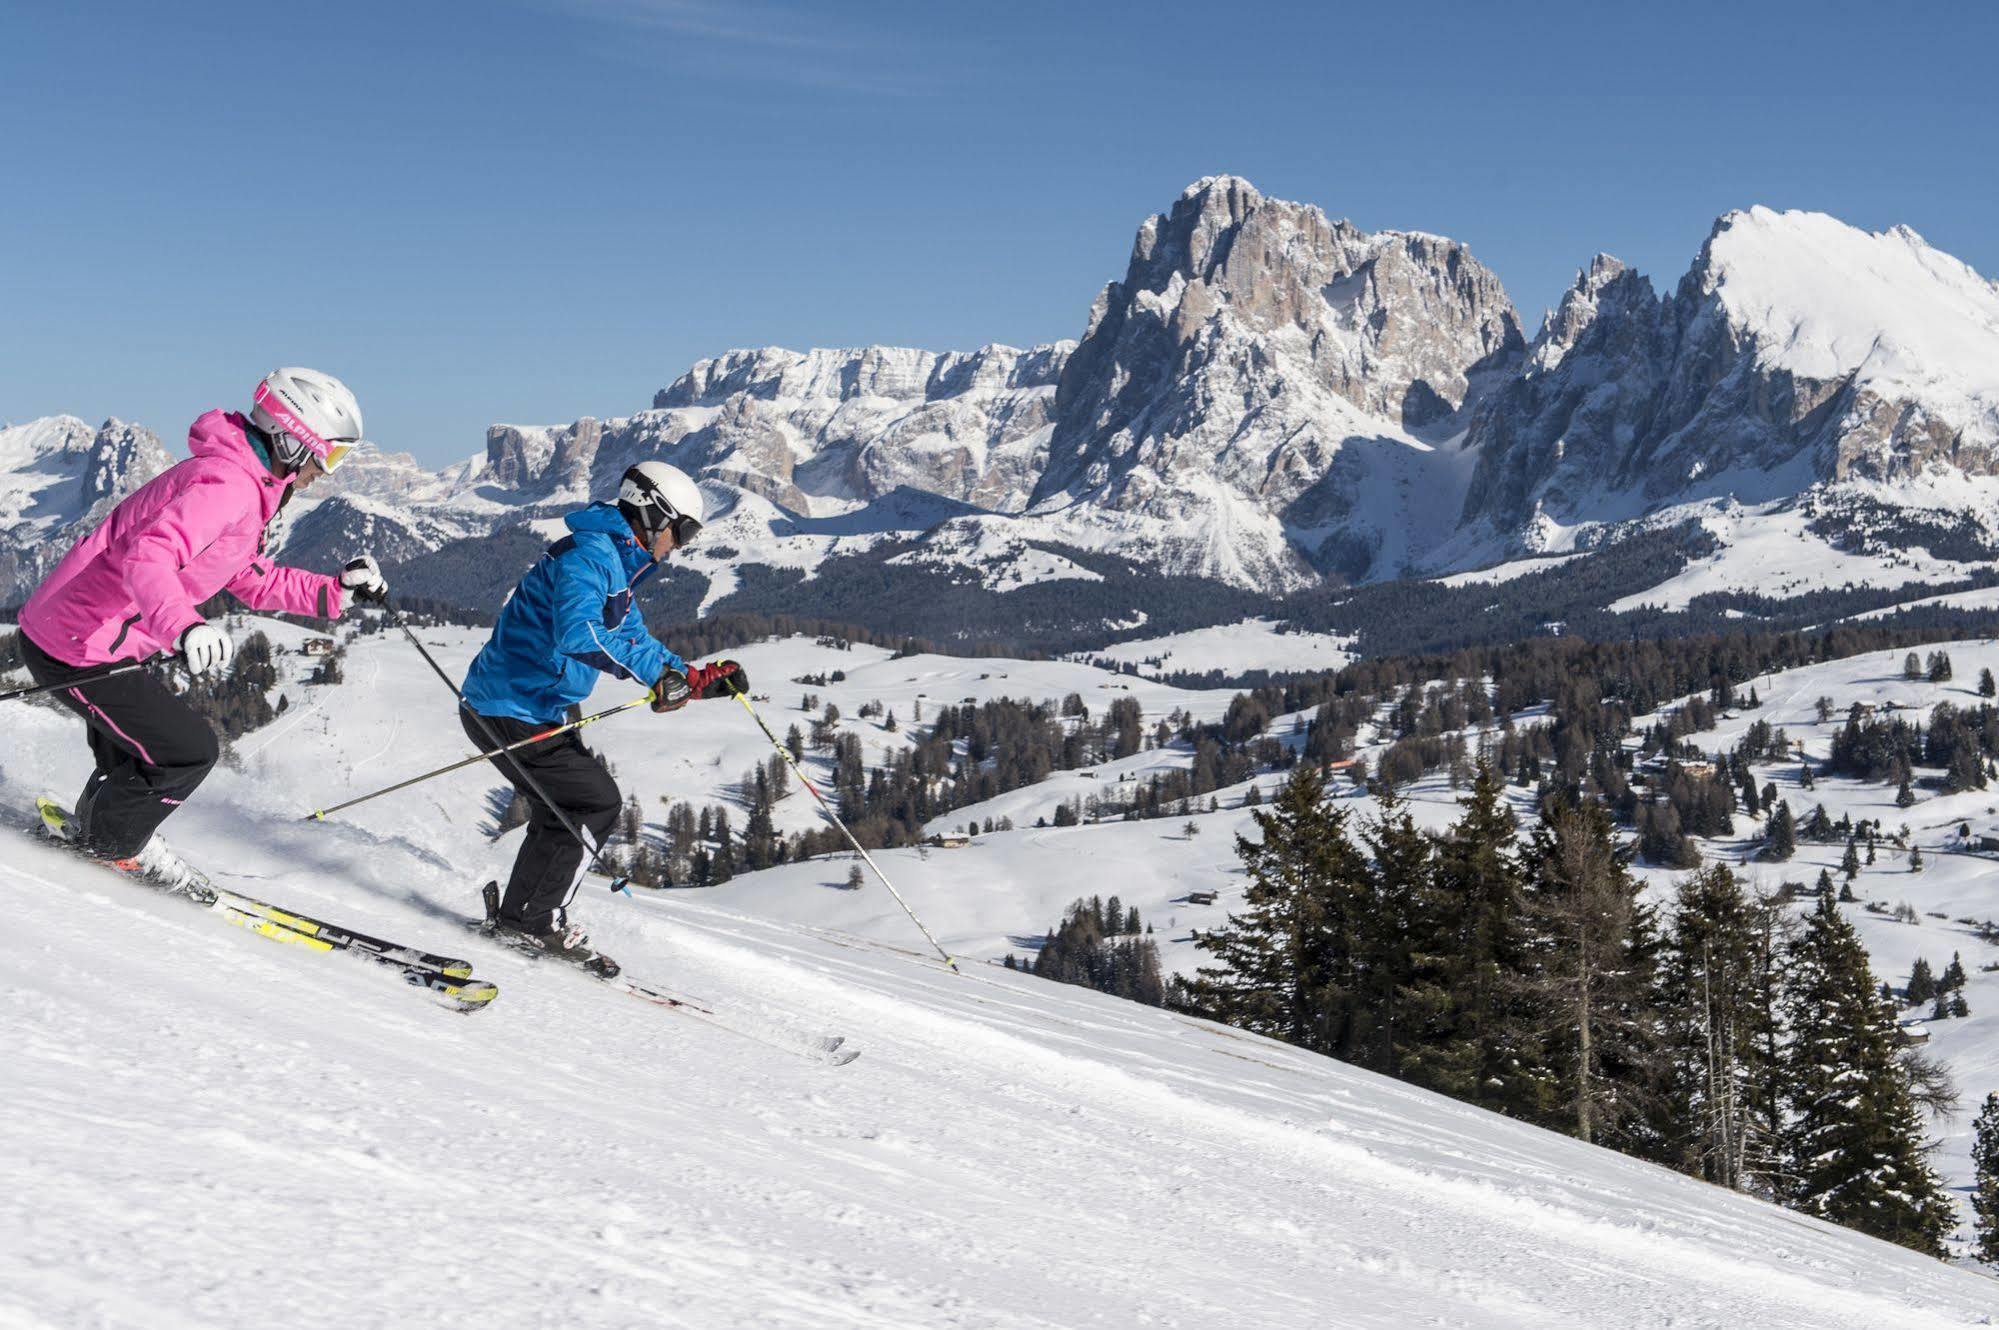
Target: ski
458,992
55,819
448,980
826,1049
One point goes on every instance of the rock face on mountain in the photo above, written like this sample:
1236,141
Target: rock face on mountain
822,430
1797,350
1254,369
536,461
58,478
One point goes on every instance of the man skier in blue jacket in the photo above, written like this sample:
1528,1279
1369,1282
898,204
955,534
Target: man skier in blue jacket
572,616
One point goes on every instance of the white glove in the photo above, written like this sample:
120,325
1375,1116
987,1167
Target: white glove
363,580
205,648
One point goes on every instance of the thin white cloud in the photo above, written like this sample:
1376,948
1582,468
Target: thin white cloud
803,45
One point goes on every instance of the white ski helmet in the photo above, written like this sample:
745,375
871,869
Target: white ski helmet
654,496
307,414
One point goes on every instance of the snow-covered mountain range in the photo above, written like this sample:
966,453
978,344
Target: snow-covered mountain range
1274,402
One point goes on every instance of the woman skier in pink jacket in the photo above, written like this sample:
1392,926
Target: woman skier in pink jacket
130,590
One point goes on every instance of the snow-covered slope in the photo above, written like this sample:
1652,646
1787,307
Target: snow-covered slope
1254,644
203,1128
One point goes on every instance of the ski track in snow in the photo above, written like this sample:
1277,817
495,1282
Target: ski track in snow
205,1129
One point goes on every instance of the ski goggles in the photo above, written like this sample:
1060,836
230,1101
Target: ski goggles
684,529
329,452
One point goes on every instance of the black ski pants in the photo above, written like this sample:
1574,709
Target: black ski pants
152,750
551,862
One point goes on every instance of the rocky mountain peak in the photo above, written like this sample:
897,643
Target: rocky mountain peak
1249,342
1565,324
543,460
894,373
1796,350
121,457
58,478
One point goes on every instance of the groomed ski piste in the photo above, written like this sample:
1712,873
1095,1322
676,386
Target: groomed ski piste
205,1129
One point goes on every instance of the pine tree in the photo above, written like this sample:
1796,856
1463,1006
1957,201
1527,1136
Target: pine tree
1922,984
1718,1031
1915,859
1985,1180
1854,1143
1953,974
1781,840
1397,888
1987,687
1912,667
1284,967
1904,796
1595,957
1472,1037
1849,863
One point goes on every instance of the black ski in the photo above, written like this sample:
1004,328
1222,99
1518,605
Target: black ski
827,1049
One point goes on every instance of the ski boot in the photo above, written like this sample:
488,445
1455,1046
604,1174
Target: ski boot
155,862
563,941
159,865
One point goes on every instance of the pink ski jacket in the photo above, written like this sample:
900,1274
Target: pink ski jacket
129,589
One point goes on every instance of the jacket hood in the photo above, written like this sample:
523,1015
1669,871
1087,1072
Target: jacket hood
605,519
223,434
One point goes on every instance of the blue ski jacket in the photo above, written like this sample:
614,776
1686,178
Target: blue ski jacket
571,617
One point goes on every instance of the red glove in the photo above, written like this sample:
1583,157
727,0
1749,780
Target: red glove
724,678
674,690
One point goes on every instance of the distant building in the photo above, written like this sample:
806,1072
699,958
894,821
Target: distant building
951,840
1200,898
1987,841
317,646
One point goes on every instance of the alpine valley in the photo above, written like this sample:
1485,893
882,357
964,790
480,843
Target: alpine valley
1274,416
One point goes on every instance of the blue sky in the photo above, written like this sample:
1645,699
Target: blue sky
531,211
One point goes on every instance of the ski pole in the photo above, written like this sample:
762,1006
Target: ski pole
321,814
834,818
590,848
124,667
